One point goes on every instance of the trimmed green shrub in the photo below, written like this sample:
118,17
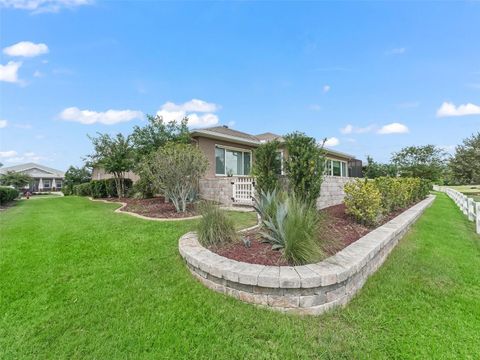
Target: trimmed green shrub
107,188
361,197
215,227
7,194
82,189
267,166
293,228
98,189
363,201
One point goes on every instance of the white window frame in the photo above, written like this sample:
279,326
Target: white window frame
329,172
45,182
225,148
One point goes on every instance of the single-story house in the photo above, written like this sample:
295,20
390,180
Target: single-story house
44,178
230,158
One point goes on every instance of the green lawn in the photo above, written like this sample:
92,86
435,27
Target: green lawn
78,281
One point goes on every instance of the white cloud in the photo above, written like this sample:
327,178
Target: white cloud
393,128
315,107
38,74
350,129
449,109
9,72
326,88
39,6
333,141
194,105
3,123
26,49
8,154
108,117
397,51
176,112
26,157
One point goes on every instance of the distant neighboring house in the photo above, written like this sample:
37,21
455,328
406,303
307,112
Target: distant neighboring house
44,178
230,159
99,173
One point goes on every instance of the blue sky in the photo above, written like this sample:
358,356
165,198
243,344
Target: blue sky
372,77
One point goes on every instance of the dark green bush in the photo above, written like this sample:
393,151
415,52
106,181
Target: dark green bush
215,227
98,188
84,189
105,188
7,194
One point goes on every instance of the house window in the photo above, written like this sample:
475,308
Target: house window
59,185
46,183
336,168
232,161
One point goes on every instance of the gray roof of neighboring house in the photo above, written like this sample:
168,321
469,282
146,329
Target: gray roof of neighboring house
28,166
225,133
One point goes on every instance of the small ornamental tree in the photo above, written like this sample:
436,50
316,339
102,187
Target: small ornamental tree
464,166
15,179
115,155
267,167
304,166
175,170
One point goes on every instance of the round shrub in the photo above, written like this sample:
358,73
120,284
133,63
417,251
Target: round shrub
7,194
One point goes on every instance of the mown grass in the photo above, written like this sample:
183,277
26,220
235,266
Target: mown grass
81,282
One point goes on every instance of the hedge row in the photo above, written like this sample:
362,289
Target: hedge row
369,200
99,188
7,194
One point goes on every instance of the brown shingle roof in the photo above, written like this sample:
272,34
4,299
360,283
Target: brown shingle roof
230,132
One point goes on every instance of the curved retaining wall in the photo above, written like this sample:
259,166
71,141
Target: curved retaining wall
308,289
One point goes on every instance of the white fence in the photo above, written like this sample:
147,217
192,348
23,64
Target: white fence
243,190
468,206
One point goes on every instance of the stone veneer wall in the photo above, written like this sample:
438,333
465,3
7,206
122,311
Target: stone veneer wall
308,289
217,189
220,189
331,192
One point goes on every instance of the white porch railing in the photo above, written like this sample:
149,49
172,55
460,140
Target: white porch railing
243,190
468,206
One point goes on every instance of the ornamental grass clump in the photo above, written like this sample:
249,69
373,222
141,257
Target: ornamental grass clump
215,227
293,229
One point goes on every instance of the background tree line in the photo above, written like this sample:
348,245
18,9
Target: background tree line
433,163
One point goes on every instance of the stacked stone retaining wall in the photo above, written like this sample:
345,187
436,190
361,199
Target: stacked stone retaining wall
308,289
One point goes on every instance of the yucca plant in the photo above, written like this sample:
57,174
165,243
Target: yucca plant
293,229
215,227
265,204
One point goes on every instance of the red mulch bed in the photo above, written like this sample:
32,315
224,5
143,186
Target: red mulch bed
154,208
338,231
